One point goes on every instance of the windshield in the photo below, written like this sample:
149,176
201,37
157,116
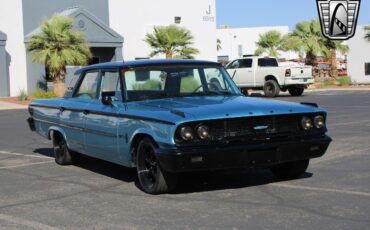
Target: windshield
160,82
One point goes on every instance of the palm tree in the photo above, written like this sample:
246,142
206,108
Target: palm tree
308,35
270,42
367,36
335,46
57,46
173,41
219,44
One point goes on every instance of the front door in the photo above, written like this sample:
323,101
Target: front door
101,121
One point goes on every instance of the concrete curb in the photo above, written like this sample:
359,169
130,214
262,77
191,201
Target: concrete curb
10,106
338,89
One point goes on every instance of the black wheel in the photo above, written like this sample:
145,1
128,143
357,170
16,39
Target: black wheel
152,178
63,156
244,91
271,88
296,91
290,170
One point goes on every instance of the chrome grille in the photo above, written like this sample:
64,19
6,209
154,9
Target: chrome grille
254,127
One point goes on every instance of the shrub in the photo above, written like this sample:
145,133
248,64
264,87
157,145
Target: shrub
148,85
41,94
188,85
345,81
331,82
22,95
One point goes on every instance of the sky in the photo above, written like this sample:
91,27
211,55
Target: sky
253,13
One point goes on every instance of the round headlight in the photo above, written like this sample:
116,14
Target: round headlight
306,123
187,133
203,132
319,122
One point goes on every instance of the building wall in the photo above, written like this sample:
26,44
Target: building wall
35,11
11,23
236,42
133,19
358,55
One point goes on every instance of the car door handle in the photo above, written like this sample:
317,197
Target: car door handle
86,112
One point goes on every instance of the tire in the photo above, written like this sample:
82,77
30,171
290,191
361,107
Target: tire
296,91
290,170
152,179
271,88
63,155
244,91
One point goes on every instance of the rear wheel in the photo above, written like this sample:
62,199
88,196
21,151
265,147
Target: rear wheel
63,155
271,88
296,91
152,178
290,170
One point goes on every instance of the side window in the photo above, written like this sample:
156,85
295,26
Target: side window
234,65
71,85
89,86
110,85
267,62
245,63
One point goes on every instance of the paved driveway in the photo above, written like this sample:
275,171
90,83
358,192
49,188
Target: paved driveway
35,193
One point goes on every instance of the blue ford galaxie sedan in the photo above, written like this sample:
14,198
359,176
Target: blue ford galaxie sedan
170,116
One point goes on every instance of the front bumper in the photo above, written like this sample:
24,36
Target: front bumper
240,156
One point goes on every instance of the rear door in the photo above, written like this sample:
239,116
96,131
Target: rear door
72,115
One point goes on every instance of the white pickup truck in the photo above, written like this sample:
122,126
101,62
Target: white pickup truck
263,73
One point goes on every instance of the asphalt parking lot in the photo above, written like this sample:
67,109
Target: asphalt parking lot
35,193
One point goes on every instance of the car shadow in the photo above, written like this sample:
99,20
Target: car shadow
188,183
202,182
102,167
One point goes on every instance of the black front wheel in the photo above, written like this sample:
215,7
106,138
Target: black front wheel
152,178
290,170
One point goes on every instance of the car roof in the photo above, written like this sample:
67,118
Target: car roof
146,62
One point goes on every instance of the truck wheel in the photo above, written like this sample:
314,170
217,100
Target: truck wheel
290,170
244,91
152,178
63,155
296,91
271,88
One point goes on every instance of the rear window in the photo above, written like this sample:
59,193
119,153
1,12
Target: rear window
268,62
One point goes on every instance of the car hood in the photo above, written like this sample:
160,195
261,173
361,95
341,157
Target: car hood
218,107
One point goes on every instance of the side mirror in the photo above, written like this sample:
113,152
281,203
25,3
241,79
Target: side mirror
106,100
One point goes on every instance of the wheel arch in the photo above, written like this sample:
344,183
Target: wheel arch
274,78
135,143
54,129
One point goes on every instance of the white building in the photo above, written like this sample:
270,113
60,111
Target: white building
115,29
236,42
358,57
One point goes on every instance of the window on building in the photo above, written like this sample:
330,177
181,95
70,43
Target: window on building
367,69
